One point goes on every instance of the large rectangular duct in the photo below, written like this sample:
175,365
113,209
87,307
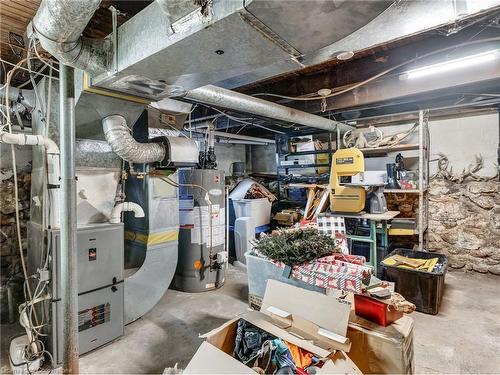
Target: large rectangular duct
157,58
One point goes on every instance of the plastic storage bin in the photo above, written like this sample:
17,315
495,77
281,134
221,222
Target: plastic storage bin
259,270
258,209
424,289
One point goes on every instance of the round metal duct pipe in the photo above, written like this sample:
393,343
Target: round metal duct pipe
236,101
58,25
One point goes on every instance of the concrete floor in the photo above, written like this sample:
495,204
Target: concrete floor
463,338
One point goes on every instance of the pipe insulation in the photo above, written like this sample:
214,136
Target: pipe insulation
125,146
59,24
125,206
220,97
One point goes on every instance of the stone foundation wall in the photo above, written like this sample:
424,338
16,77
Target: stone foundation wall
464,223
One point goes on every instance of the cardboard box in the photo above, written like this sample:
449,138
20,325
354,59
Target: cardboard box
382,350
310,320
287,217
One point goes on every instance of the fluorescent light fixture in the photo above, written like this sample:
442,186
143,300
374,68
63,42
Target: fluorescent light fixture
451,65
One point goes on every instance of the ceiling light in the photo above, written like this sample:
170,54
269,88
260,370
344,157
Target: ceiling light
345,55
324,92
450,65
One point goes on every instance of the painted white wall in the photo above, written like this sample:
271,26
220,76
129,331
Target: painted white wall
227,154
461,139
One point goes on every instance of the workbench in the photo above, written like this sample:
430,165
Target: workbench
372,239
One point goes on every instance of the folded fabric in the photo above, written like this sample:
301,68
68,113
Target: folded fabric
301,357
411,263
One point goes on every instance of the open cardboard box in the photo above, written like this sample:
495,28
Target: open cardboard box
310,320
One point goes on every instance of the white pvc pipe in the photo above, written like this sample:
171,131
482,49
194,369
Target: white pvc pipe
29,140
125,206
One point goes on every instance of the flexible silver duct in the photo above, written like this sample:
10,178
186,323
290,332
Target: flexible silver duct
59,24
125,146
224,98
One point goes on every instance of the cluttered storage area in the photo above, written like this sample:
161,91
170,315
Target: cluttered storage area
250,186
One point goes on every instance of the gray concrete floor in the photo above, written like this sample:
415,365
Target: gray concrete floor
463,338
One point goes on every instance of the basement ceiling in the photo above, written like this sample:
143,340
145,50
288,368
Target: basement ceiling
15,16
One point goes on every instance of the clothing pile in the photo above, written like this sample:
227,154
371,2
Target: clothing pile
267,354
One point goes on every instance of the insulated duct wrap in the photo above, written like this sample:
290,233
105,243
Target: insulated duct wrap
125,146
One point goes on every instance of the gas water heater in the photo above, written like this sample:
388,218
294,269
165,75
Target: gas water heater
202,257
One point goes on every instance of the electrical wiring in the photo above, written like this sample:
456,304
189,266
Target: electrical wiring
33,83
3,114
26,69
44,60
387,71
241,121
14,170
28,309
28,81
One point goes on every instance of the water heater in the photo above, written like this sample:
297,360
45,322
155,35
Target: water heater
202,217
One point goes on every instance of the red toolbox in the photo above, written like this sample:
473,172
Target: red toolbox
375,310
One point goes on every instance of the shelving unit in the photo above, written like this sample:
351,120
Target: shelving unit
423,147
282,171
423,168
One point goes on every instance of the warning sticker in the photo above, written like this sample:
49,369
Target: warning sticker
201,229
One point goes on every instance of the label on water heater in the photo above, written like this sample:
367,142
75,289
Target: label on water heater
186,214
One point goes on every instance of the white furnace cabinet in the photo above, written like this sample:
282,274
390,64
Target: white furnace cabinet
100,257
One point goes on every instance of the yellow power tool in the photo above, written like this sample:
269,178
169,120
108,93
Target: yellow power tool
346,197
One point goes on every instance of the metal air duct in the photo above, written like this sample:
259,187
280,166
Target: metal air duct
236,101
125,146
59,24
171,151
